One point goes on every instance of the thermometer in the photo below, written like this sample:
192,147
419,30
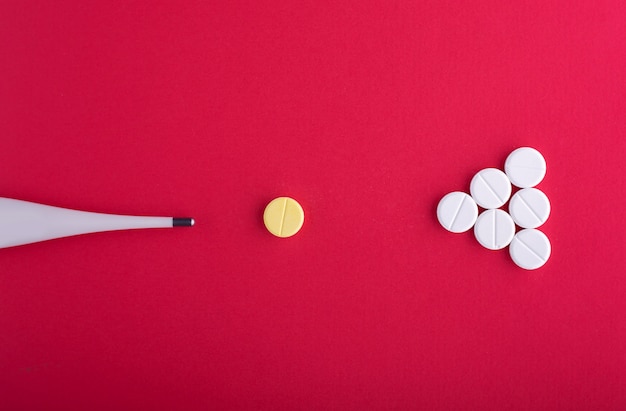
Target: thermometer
23,222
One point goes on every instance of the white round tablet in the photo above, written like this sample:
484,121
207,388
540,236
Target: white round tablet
457,212
525,167
490,188
530,249
529,208
494,229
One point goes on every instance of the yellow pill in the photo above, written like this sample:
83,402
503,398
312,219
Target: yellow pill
283,217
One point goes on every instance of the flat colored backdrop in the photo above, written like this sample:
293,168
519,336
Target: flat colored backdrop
367,112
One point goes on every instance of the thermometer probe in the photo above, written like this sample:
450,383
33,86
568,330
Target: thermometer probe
23,222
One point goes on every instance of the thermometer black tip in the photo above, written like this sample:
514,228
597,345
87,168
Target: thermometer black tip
182,222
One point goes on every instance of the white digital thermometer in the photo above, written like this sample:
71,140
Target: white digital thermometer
23,222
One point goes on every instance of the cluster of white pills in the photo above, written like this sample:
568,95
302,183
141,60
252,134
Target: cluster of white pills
494,228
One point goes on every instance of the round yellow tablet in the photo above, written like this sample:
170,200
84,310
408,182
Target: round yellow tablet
283,217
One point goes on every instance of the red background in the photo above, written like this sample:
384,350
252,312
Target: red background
367,113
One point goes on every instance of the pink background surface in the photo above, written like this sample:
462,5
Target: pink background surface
367,113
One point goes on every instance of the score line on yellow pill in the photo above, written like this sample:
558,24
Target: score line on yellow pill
283,217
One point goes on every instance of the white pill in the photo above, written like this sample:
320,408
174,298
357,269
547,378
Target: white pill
490,188
457,212
525,167
530,249
529,208
494,229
